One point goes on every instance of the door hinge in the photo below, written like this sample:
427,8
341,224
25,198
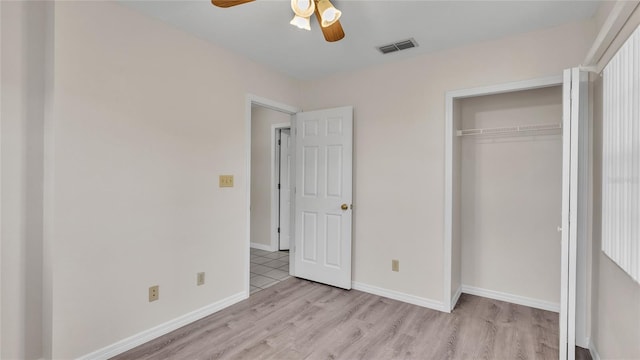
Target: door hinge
279,142
278,186
278,230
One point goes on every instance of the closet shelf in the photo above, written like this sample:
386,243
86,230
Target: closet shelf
509,129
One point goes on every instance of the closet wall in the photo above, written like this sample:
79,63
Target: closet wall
510,195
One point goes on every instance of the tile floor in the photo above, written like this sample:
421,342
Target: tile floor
268,268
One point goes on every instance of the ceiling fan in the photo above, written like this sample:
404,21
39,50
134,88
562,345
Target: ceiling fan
328,16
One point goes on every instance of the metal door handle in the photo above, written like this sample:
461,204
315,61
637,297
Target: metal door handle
344,207
559,229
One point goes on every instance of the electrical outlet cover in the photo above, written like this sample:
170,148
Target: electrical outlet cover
395,265
154,293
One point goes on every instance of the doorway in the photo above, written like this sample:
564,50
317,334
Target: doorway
321,160
265,120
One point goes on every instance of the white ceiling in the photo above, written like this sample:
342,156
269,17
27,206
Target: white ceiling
260,30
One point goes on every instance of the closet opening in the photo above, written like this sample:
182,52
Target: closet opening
507,206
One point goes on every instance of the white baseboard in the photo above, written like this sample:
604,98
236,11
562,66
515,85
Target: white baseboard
262,247
594,352
396,295
515,299
162,329
456,297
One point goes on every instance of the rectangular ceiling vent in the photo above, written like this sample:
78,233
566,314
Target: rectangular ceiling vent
400,45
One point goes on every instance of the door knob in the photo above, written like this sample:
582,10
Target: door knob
344,206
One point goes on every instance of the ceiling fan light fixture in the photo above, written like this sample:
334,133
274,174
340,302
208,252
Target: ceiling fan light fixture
301,22
303,8
328,13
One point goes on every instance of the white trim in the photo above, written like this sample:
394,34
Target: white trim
275,208
456,297
448,199
162,329
506,87
396,295
448,172
514,299
616,19
1,206
593,350
262,247
269,104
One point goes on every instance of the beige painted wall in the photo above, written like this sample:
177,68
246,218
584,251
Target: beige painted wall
22,113
261,133
399,144
145,119
511,195
615,297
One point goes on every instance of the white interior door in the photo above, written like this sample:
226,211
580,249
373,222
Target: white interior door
285,190
575,127
323,196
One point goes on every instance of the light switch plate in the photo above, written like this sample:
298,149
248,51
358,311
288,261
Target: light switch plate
226,180
200,279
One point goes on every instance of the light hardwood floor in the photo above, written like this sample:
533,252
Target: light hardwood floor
299,319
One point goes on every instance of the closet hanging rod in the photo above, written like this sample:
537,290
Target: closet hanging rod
509,129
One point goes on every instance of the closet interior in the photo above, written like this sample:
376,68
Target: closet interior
507,196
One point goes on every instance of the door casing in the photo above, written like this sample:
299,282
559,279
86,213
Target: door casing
275,209
282,223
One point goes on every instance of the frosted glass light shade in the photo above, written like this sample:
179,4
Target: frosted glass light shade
303,8
301,22
328,13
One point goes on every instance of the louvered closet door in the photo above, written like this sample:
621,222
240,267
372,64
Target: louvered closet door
323,194
574,139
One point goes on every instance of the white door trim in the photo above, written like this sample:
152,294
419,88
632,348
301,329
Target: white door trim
269,104
275,208
451,96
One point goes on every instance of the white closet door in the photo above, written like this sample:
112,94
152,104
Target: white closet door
575,126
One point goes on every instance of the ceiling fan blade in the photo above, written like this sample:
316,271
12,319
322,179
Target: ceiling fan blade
229,3
333,32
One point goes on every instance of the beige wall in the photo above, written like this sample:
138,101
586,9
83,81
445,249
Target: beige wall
146,117
615,296
22,113
261,133
511,195
399,144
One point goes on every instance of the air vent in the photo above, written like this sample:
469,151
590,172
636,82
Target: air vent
400,45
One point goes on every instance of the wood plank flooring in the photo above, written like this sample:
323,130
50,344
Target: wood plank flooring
299,319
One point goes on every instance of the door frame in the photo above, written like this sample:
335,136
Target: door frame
250,100
275,193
